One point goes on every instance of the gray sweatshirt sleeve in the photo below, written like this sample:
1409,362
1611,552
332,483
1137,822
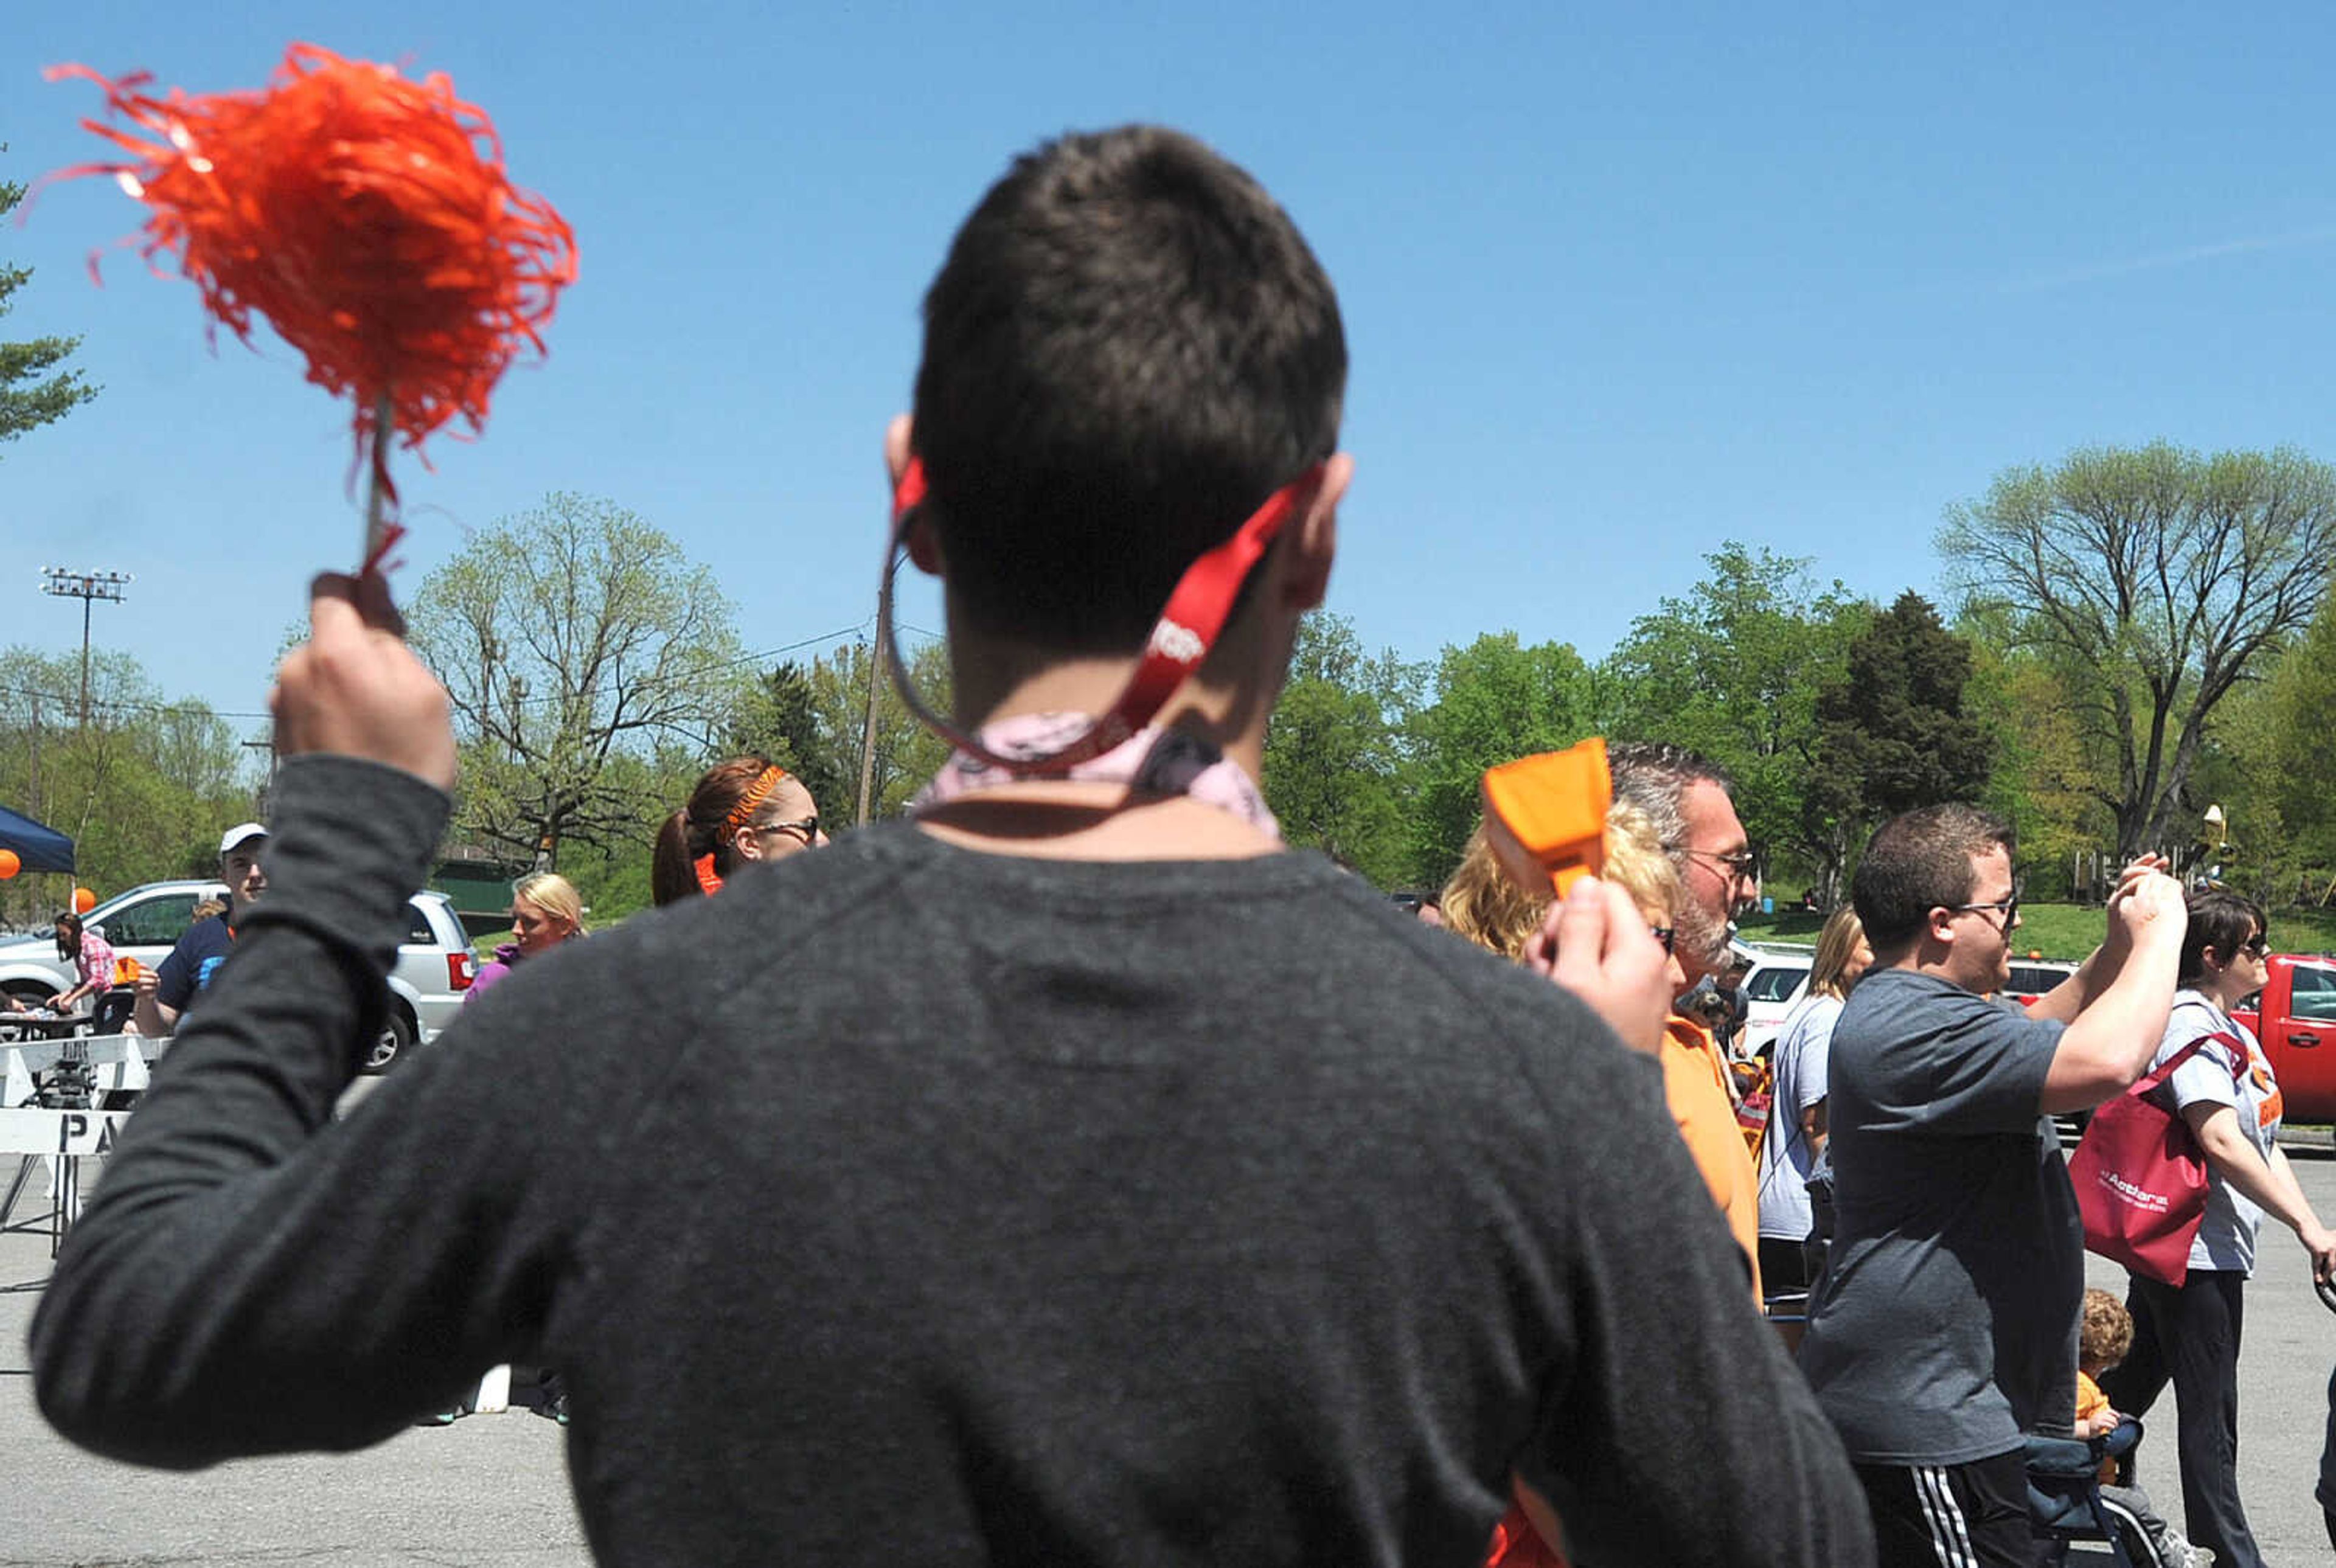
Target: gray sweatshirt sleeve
1680,1432
253,1276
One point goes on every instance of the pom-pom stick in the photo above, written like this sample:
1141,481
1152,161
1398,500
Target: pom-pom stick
380,533
368,217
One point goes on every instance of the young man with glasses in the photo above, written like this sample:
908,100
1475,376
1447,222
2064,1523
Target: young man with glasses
1944,1325
1072,1175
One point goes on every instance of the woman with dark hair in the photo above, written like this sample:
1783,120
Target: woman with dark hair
745,809
2189,1333
84,948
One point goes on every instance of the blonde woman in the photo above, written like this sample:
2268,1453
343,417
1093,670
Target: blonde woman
1797,1135
545,912
1482,905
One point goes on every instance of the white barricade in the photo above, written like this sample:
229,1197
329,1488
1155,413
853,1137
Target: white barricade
59,1140
79,1134
122,1061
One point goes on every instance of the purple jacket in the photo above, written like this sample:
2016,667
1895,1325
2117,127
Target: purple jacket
493,969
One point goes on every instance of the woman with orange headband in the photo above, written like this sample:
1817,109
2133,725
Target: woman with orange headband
745,809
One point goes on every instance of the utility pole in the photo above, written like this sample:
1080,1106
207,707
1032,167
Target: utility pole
88,587
36,782
883,639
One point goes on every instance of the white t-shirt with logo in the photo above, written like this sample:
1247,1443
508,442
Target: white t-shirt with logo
2217,1076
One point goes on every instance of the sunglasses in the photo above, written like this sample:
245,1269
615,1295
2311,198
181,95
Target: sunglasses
1739,865
2008,908
2258,945
808,828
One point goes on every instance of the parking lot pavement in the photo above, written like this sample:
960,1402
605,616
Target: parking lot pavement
493,1489
2289,1347
490,1489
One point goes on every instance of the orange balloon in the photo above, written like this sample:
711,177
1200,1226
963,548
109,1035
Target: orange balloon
10,864
84,900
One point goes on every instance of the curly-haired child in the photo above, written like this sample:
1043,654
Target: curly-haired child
2104,1335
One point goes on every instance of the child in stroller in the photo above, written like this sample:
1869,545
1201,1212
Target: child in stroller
2104,1336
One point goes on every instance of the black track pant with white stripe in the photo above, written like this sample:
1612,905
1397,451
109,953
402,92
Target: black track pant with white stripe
1971,1515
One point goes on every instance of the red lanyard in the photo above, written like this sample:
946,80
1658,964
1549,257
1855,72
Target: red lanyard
1196,614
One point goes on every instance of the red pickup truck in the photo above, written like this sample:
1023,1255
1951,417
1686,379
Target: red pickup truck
2294,1017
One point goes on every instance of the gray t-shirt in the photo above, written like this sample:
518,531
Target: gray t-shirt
2219,1075
1945,1324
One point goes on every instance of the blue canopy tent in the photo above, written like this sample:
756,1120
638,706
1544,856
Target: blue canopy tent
42,848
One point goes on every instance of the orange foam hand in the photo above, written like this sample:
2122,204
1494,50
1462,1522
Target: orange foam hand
1545,817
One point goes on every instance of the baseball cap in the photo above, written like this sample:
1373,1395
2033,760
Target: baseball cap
239,833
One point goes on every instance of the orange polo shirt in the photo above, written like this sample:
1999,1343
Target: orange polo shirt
1706,1121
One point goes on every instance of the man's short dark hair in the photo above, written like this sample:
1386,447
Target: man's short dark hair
1129,349
1655,776
1920,861
2222,919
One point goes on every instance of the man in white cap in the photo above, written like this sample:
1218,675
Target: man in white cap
168,990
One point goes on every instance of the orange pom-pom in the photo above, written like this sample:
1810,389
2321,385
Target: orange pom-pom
369,219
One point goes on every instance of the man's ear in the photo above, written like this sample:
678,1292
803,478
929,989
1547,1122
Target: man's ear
1308,581
924,549
1942,927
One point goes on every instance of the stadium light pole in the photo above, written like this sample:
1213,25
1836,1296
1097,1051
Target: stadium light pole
88,587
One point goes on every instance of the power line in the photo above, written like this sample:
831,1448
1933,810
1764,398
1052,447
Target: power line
194,705
684,678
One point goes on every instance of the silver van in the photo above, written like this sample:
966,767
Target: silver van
434,963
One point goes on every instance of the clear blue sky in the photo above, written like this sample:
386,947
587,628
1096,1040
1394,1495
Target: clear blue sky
1619,284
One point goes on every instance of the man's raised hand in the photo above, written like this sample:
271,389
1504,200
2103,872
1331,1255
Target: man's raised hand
354,688
2146,905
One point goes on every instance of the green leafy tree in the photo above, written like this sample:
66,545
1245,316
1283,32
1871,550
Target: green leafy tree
2270,769
1893,733
906,755
2153,581
2301,757
143,789
33,390
2040,777
780,717
1733,669
1335,750
1496,699
577,645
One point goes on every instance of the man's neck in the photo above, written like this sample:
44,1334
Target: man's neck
1936,966
1092,820
1060,819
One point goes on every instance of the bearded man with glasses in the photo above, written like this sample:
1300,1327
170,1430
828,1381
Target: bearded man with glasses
1690,800
1944,1326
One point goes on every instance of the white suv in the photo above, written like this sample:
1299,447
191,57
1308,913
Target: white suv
435,964
1779,978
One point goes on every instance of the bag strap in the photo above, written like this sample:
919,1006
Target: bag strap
2241,1058
2157,1076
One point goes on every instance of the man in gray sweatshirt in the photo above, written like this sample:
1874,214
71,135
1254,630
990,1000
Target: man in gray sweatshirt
1065,1175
